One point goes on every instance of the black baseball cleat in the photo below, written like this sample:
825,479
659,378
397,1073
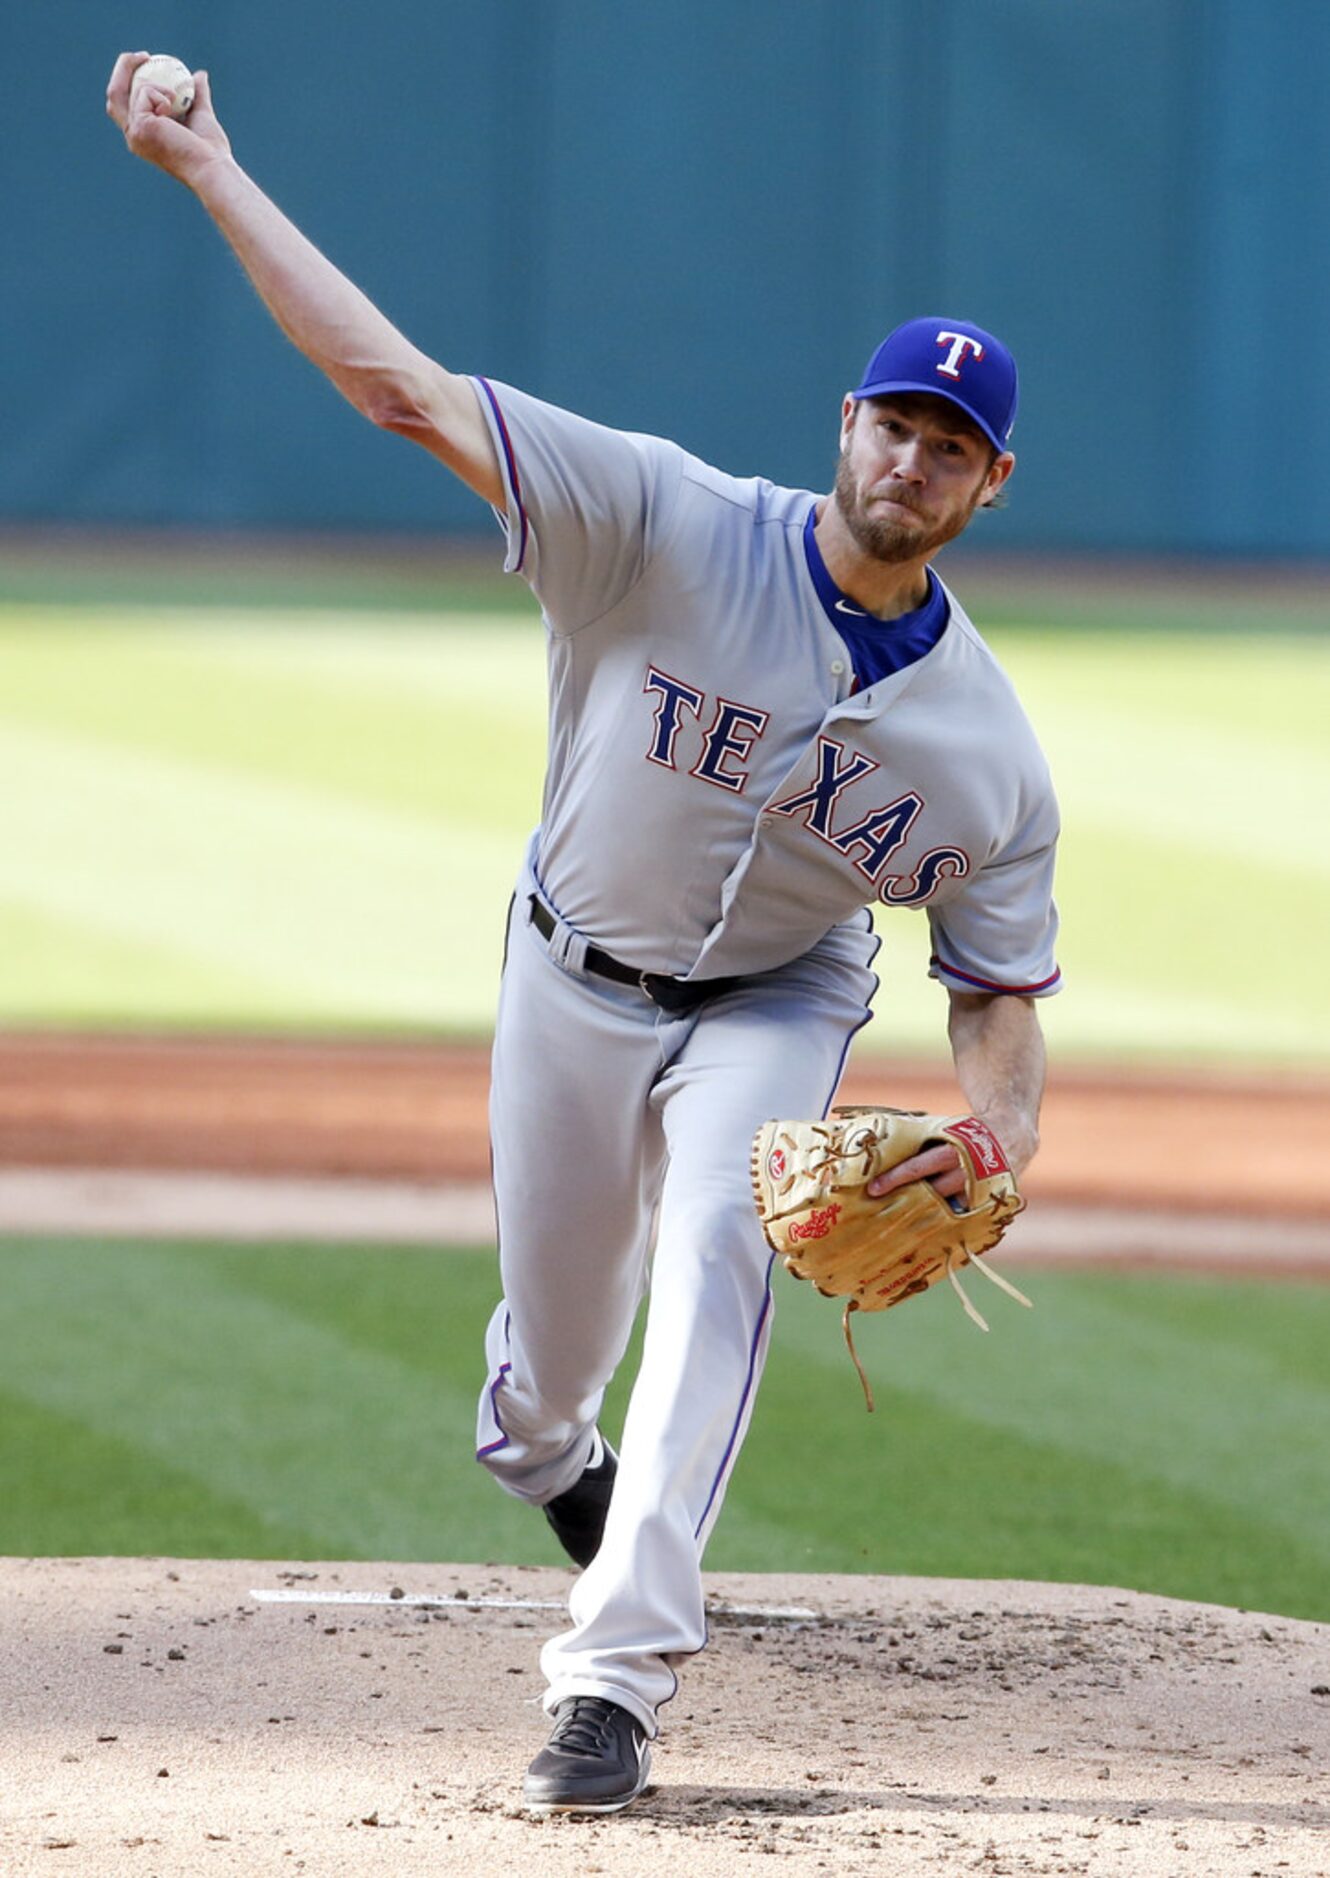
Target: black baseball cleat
596,1761
578,1514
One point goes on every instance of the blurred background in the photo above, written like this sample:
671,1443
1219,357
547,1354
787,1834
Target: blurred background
272,721
259,656
697,219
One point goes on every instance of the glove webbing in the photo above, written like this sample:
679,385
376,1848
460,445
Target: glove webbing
1003,1284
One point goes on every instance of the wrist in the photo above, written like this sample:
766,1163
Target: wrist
1018,1134
210,175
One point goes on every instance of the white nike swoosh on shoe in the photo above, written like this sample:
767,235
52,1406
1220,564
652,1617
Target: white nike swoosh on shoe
615,1805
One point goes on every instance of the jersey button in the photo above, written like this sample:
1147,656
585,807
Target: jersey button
837,667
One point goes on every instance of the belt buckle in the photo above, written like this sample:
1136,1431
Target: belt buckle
677,998
650,983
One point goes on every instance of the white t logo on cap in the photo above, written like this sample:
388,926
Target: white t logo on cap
960,344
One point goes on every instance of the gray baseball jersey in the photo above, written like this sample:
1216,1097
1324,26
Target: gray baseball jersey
717,795
720,805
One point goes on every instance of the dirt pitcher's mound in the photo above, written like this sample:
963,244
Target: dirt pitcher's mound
177,1719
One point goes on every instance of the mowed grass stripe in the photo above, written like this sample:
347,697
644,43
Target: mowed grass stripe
441,720
84,974
454,662
1194,878
302,1427
1177,1027
317,899
1168,1435
1182,956
1201,787
465,1288
382,774
1181,921
1161,995
924,1488
1093,1371
70,1488
1269,688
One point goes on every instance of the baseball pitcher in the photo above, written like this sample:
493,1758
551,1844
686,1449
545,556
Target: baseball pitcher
767,715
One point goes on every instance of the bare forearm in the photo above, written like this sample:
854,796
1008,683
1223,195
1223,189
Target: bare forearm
316,306
998,1048
373,365
376,367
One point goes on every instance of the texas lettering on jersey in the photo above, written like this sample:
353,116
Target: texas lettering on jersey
869,842
734,729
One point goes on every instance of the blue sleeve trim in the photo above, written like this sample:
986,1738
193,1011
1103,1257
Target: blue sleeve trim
987,984
514,480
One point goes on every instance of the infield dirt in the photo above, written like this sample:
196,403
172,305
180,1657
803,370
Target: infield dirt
159,1719
1207,1170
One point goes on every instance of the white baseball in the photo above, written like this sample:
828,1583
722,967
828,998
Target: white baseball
167,74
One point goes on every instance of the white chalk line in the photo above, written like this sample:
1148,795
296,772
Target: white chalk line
762,1613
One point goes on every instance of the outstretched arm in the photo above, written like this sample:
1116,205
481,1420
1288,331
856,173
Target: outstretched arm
374,366
998,1049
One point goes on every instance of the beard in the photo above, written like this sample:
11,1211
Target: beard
889,541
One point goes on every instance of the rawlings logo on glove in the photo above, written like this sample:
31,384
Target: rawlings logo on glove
810,1181
818,1224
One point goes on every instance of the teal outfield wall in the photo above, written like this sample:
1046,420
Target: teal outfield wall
694,216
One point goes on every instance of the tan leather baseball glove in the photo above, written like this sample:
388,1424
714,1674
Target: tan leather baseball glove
810,1182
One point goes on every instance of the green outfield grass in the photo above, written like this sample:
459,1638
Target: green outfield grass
1165,1435
303,818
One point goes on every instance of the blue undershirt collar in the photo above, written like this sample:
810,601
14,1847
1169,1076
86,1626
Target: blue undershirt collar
877,647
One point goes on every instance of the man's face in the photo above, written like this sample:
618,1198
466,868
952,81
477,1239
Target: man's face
912,472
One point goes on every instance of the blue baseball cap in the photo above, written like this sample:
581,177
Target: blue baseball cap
951,359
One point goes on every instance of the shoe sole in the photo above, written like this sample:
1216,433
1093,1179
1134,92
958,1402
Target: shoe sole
616,1804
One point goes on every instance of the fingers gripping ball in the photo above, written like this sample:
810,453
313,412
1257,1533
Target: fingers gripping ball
810,1183
168,74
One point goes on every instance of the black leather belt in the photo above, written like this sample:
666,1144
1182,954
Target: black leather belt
671,994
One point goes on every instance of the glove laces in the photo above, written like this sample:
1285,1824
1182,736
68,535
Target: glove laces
955,1259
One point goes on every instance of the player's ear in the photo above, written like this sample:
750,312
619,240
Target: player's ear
849,410
998,471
